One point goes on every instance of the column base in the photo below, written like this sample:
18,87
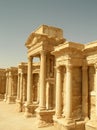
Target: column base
11,99
62,124
85,118
91,125
19,106
30,110
45,117
1,97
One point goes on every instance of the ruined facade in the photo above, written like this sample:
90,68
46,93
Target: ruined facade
62,88
22,85
67,77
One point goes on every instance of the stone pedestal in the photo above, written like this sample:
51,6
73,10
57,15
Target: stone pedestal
19,107
30,110
91,125
62,124
11,99
45,118
1,96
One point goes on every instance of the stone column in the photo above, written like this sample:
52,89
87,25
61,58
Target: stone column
24,88
96,86
21,87
9,97
42,104
48,94
68,115
10,84
85,93
29,82
18,88
58,111
29,90
6,87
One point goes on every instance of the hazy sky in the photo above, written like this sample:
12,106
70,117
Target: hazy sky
18,18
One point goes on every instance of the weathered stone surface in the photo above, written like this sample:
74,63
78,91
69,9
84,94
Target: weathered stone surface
63,86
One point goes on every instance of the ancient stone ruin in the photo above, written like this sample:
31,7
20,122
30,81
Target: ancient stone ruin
61,88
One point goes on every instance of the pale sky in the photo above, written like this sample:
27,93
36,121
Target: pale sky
18,18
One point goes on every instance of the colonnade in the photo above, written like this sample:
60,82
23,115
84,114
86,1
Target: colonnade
21,86
68,93
69,89
42,84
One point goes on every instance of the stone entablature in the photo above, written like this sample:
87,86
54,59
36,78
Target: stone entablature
2,83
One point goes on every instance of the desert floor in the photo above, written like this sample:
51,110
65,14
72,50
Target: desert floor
10,119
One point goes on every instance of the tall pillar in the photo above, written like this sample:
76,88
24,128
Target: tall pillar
28,106
9,96
42,104
58,92
68,115
18,87
85,93
96,86
29,81
10,84
6,87
21,87
24,88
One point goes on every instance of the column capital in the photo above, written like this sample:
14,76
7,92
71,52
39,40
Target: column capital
95,65
43,52
22,73
69,67
6,74
84,67
30,58
10,74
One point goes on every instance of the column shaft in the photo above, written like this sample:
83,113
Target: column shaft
84,92
18,88
58,92
21,87
42,104
29,81
10,84
6,85
48,96
68,92
24,88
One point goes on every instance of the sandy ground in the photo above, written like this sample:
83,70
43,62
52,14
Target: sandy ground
12,120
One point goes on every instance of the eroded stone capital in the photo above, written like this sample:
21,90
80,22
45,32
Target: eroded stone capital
69,68
95,65
30,58
43,53
84,67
